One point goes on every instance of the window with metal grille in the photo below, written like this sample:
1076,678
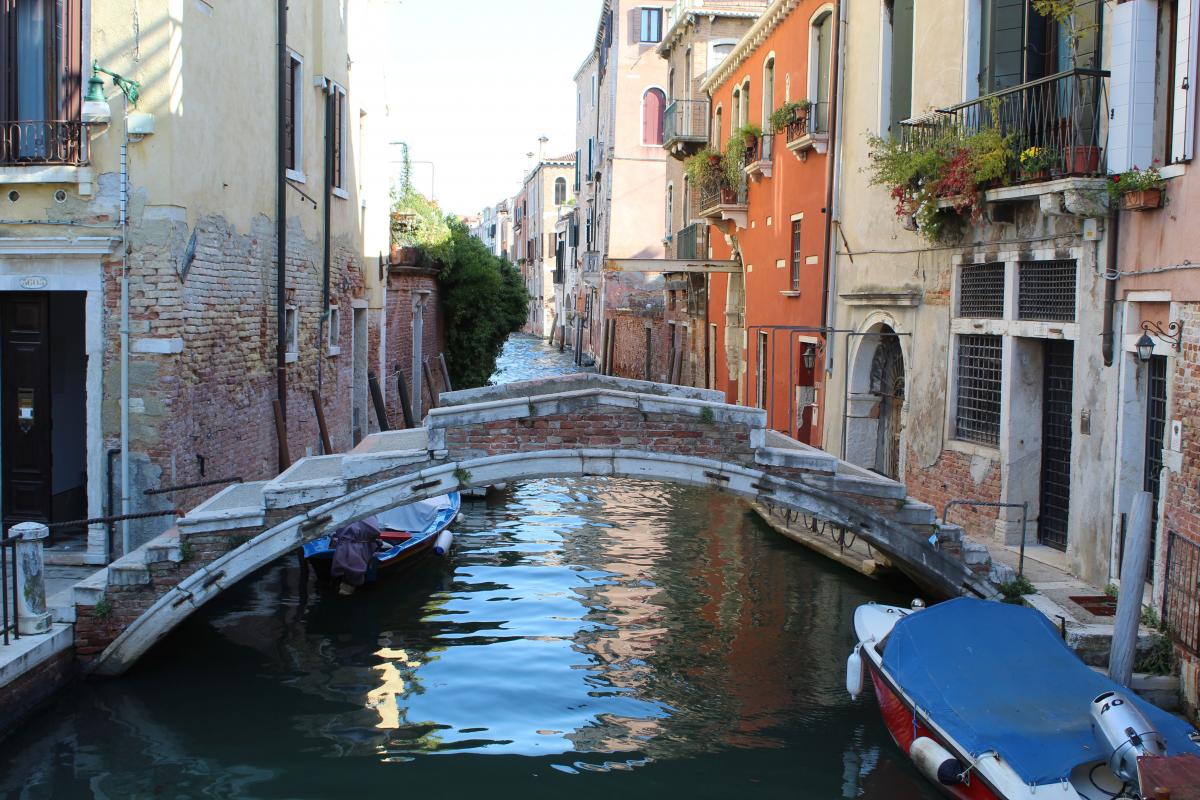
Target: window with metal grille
1181,596
796,255
981,291
977,416
1046,290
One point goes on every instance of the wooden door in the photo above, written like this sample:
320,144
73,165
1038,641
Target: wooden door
25,405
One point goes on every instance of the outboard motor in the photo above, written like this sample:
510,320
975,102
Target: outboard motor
1125,734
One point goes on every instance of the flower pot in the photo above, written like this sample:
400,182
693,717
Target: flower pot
1082,160
1033,176
1142,199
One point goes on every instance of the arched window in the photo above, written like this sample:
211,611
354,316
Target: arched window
716,136
820,56
560,191
735,112
768,103
654,103
745,116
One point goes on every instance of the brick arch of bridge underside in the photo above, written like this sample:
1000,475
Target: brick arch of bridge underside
178,603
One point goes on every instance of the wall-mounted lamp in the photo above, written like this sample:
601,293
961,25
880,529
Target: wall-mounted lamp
809,356
1173,335
95,105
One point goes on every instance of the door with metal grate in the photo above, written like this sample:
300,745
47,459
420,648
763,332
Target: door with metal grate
1156,426
1055,495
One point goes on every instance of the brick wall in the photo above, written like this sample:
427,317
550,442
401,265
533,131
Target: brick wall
19,697
1183,494
403,283
953,477
629,352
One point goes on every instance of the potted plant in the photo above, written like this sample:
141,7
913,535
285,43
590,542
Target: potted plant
787,113
734,159
1038,162
1139,189
704,167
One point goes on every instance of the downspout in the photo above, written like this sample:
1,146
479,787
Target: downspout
281,223
126,500
833,188
330,98
1111,273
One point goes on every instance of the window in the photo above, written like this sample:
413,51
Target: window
560,191
796,257
578,106
651,25
578,168
1046,290
761,367
768,92
820,56
588,223
977,417
720,51
291,328
337,99
335,325
899,97
40,77
735,111
591,171
595,89
670,209
293,115
981,291
717,128
654,103
744,117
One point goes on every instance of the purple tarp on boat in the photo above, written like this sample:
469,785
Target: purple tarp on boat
353,546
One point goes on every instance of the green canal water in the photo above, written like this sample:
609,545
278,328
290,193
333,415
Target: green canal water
588,638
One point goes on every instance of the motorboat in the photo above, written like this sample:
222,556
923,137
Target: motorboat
990,704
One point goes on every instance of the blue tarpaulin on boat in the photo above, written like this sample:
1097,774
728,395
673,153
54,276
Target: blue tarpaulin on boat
999,677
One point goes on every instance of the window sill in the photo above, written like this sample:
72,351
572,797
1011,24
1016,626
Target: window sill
291,358
342,193
973,448
790,293
1173,171
295,176
335,351
45,173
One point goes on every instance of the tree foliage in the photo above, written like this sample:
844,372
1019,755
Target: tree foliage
483,298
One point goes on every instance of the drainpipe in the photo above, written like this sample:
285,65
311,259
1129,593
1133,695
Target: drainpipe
124,213
1108,344
833,189
281,224
330,98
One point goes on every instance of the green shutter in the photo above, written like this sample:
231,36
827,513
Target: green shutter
902,58
1003,53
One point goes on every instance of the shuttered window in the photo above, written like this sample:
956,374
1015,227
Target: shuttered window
293,115
339,132
654,103
1183,106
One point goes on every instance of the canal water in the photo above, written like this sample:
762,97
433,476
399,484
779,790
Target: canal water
587,639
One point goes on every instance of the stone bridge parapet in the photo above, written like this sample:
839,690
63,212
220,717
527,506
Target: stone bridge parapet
578,425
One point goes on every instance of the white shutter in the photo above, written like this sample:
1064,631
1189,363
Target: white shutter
1134,46
1183,105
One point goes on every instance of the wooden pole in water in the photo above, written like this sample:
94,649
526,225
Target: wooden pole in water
285,457
377,401
326,445
405,400
604,348
445,370
649,350
433,396
612,348
1129,602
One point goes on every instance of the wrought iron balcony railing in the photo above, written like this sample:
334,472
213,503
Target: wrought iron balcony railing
1057,119
798,127
762,149
720,193
685,121
692,241
34,142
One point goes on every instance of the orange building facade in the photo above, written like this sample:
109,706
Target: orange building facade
774,93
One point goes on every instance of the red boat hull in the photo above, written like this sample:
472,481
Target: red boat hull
905,725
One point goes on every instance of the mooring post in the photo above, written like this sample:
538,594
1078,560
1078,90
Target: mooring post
445,370
326,445
285,456
377,401
612,347
1129,602
32,616
433,395
649,349
604,348
405,400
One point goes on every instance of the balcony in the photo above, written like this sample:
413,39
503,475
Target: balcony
559,275
685,127
759,156
591,261
806,132
37,143
719,201
692,242
1058,117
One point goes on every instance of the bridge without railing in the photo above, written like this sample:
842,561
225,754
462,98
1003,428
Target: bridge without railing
577,425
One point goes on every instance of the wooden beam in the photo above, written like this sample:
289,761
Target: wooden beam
669,265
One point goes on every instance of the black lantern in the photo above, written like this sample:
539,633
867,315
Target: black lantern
810,355
1145,347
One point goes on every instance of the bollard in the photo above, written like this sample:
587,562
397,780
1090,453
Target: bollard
1129,602
32,616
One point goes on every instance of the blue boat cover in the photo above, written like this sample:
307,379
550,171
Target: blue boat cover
999,677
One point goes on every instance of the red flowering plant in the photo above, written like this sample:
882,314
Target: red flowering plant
1135,179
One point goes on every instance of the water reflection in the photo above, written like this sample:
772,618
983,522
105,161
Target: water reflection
590,637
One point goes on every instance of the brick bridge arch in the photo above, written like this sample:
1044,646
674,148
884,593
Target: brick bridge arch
579,425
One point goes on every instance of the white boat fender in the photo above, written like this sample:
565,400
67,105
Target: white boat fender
935,762
445,541
854,672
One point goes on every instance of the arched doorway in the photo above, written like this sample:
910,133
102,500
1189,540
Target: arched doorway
887,382
874,409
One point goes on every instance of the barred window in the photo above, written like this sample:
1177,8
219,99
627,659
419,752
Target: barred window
981,291
1046,290
977,418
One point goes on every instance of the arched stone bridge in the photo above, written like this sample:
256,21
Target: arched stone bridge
578,425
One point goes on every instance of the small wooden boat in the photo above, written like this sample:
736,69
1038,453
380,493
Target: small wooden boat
406,534
990,704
